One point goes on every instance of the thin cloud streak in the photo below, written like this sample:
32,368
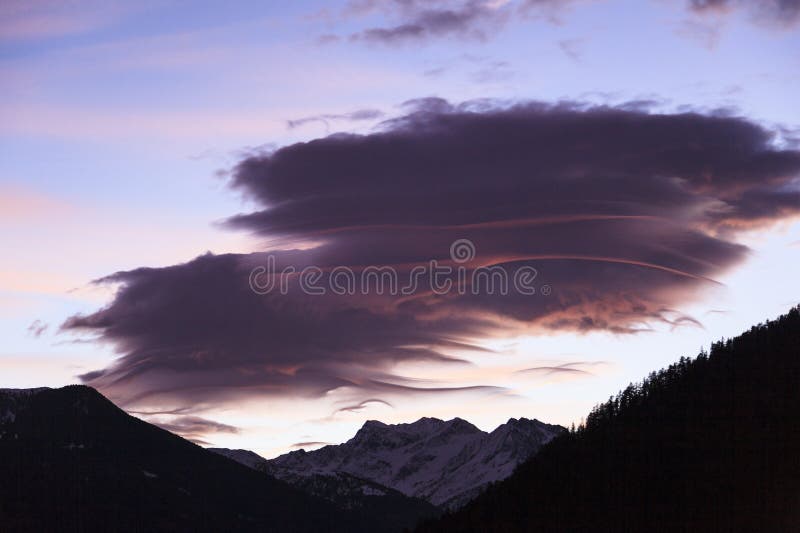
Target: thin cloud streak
37,328
574,368
360,406
359,115
194,428
310,444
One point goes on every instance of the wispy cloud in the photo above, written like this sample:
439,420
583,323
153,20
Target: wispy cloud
570,369
572,48
309,444
413,21
418,21
327,118
37,328
360,406
194,428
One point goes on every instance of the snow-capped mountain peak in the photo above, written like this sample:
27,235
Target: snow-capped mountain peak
444,462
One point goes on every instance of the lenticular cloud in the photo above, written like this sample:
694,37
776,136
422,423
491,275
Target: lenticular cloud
625,215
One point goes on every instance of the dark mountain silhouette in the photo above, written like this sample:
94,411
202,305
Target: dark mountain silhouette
70,460
708,444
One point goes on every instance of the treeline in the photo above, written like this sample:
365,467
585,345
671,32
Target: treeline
707,444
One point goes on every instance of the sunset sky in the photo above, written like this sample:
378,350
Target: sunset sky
643,156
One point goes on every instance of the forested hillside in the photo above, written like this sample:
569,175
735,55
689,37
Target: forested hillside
709,444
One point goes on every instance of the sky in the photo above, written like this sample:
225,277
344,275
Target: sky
641,158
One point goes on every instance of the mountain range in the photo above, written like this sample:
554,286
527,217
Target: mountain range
708,444
446,463
72,460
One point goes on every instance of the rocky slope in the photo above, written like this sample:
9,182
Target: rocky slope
446,463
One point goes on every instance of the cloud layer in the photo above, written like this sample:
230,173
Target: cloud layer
407,21
625,214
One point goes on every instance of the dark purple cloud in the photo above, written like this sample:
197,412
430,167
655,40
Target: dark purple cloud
436,165
198,330
625,214
422,20
417,20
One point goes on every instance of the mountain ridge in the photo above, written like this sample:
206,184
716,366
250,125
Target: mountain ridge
72,460
444,462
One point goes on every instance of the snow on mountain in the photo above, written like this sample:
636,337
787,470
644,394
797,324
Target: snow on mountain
344,490
444,462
